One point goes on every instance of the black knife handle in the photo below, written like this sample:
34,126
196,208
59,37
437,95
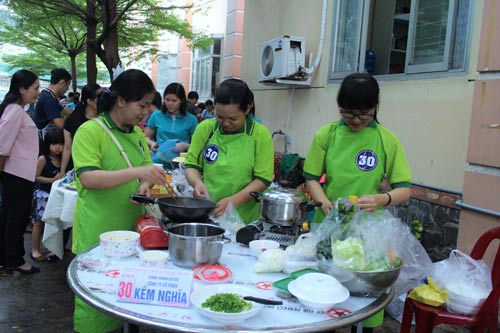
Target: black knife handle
262,300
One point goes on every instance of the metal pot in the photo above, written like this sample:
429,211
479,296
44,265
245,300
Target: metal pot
194,244
283,206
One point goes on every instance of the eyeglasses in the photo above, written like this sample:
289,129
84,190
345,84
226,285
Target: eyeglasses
352,115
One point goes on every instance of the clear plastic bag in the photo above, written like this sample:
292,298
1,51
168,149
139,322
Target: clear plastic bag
369,241
302,254
230,220
465,271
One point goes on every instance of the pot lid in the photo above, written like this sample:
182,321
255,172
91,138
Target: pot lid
284,195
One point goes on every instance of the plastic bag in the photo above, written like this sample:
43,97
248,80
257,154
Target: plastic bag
364,241
165,152
302,254
338,220
429,294
416,266
270,261
465,271
231,221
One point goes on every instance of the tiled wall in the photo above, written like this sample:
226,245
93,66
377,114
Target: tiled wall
437,212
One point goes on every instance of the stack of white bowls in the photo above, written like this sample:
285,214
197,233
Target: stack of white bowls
464,299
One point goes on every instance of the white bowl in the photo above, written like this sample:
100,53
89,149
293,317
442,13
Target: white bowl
318,291
461,309
468,296
119,243
201,294
154,258
260,245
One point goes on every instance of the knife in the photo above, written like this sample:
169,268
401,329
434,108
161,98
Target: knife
262,300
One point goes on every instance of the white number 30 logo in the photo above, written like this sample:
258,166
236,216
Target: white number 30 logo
366,160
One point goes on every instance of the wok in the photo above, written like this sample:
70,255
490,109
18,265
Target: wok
180,209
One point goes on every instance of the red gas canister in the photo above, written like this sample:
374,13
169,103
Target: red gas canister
151,232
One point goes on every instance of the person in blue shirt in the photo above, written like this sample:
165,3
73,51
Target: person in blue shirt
209,111
173,125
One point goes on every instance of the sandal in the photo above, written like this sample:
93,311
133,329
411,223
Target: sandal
51,258
39,258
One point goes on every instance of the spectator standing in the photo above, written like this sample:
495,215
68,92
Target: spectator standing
173,125
192,98
18,157
48,111
47,172
69,102
209,111
85,110
155,105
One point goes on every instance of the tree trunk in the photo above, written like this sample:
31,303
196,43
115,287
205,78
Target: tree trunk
91,42
111,42
73,72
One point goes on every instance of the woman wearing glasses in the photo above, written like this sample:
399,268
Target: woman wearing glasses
357,153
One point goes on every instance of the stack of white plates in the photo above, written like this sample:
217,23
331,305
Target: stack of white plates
464,299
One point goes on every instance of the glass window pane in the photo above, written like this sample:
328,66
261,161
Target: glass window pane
430,33
461,35
347,34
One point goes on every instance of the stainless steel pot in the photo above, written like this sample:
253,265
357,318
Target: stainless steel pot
284,206
194,244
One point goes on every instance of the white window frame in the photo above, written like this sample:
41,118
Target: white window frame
443,67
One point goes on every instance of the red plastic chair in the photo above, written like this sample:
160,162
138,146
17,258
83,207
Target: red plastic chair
427,317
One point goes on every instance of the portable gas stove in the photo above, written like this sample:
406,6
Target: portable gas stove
263,229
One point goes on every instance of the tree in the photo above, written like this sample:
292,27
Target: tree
45,33
116,26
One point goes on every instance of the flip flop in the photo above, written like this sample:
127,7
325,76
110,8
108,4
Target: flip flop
39,258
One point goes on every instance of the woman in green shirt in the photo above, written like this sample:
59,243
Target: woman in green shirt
357,154
104,178
231,155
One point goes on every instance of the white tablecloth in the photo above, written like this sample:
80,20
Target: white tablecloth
58,215
95,278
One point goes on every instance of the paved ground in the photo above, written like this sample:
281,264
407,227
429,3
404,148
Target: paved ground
43,302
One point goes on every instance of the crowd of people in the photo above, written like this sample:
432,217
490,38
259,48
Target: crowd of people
114,135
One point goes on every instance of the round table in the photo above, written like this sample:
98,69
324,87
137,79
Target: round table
93,277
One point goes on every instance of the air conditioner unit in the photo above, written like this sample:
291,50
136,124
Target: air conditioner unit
281,58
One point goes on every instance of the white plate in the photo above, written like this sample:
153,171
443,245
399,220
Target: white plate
201,294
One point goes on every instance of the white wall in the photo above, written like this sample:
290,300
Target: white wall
431,117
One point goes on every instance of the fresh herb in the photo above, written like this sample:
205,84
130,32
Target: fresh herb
226,302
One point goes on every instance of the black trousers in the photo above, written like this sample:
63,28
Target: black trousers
15,211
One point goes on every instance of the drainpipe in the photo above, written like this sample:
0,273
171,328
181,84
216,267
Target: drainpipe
462,204
310,71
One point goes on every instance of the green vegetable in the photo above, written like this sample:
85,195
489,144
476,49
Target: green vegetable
349,254
226,302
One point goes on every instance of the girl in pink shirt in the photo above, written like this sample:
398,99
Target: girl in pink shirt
18,158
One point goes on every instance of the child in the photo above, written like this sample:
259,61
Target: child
47,171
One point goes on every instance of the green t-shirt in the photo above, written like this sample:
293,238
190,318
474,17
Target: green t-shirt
98,211
355,163
230,161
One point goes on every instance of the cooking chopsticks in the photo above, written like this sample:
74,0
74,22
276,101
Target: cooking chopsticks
171,189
